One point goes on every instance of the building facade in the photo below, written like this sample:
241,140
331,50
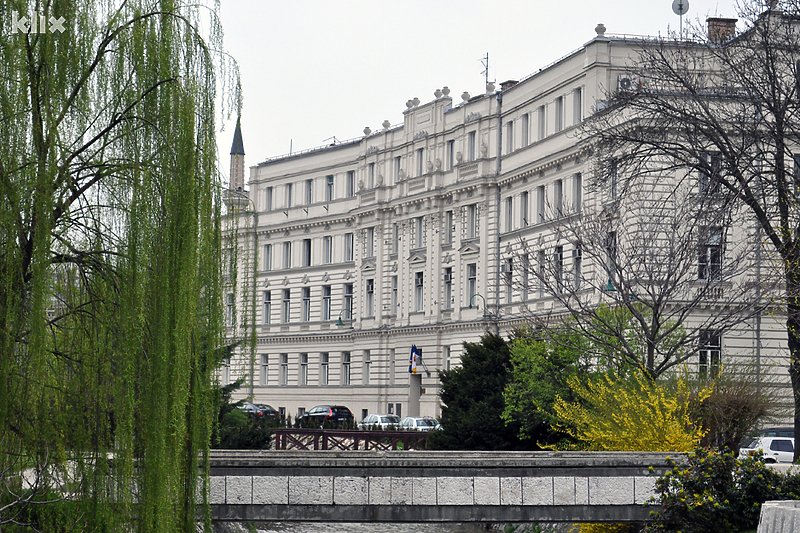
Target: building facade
351,253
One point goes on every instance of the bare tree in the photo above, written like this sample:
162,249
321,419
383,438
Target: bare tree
635,275
722,112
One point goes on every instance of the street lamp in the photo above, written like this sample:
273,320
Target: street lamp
485,314
339,322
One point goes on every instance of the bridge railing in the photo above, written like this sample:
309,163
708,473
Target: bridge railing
339,439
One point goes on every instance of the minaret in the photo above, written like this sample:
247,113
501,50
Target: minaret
237,159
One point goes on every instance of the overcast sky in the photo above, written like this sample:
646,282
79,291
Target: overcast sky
312,70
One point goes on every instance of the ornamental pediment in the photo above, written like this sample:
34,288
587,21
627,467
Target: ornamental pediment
469,248
417,257
368,264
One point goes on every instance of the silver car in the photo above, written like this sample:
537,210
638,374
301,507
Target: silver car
419,423
382,422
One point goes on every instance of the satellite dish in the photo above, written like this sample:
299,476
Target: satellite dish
680,7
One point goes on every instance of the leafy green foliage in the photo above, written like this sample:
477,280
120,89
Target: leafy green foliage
472,397
714,491
540,373
110,282
238,430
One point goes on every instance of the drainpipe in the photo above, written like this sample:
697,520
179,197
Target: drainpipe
499,96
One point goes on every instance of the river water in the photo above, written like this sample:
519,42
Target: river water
317,527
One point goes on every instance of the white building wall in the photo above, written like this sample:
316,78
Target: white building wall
384,195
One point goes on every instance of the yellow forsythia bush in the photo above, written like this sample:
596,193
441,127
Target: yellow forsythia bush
634,414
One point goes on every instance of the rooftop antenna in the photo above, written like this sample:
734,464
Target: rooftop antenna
485,63
680,7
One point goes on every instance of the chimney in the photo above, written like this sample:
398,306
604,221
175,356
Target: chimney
720,29
508,84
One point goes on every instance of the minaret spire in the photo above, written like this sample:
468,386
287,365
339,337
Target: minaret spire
237,159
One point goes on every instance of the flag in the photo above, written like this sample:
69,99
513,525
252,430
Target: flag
412,360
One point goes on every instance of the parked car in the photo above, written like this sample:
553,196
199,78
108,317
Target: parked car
776,449
419,423
260,410
786,432
382,422
331,415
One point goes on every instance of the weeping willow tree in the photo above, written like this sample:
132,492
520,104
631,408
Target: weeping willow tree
110,307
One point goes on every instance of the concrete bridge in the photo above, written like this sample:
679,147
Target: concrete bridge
428,486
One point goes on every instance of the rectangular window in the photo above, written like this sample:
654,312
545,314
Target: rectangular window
306,252
508,275
266,257
614,177
449,227
369,242
541,200
287,254
577,106
419,290
284,369
451,154
395,238
472,221
577,268
542,122
558,198
329,187
471,146
326,302
523,209
392,367
348,247
267,309
268,200
345,368
525,276
288,191
350,185
302,378
710,173
472,281
419,232
709,353
367,365
309,192
577,192
420,161
509,137
448,288
370,300
230,311
287,306
398,169
559,113
324,367
510,213
264,370
558,268
327,249
371,175
347,306
306,304
524,127
611,255
709,262
542,273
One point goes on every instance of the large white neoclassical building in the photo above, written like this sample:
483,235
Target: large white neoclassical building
406,236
